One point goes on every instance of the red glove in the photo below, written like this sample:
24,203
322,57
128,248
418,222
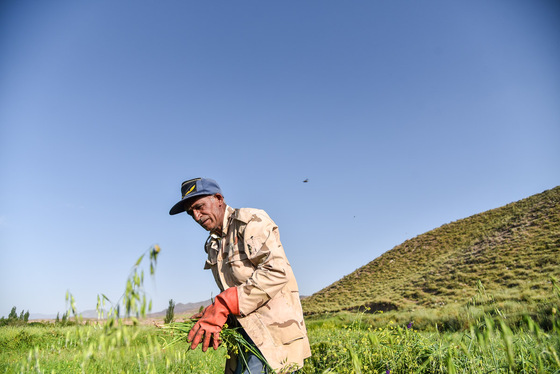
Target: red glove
213,319
199,314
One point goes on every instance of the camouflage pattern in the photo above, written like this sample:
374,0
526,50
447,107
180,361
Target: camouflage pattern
250,256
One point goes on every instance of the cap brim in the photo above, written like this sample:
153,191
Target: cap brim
180,206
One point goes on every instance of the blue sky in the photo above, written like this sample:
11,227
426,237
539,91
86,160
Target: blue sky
404,115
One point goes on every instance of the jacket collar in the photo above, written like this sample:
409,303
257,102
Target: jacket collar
227,216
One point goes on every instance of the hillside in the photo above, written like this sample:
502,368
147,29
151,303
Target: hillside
512,250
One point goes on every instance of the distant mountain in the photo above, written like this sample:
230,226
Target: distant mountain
512,250
189,308
33,316
180,308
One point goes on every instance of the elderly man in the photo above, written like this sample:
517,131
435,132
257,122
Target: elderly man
259,292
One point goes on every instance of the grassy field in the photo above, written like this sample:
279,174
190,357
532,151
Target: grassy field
349,344
341,343
88,349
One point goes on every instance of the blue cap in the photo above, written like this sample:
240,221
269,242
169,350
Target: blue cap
193,188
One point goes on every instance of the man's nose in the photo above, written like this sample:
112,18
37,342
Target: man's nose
196,215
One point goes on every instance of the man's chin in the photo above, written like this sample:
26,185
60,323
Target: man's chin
207,228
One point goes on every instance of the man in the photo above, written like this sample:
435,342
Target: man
259,290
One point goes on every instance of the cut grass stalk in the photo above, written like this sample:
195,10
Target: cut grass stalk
230,338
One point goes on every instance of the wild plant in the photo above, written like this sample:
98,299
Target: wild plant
170,313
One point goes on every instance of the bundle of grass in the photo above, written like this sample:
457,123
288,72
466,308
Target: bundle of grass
230,338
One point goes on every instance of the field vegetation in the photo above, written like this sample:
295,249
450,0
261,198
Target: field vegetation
341,343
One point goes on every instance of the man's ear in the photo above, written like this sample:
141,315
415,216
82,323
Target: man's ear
219,197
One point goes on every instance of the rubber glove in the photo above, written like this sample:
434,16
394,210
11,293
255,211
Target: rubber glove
213,319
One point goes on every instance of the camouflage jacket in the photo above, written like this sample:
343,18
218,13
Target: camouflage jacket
249,256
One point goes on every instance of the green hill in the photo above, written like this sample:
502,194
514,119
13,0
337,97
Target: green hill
512,250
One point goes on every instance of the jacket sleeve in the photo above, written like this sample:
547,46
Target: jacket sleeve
264,250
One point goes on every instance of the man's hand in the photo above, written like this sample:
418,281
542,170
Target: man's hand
208,326
199,314
212,320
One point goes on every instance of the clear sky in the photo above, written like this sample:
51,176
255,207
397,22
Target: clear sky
404,115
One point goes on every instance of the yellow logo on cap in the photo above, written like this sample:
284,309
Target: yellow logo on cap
189,191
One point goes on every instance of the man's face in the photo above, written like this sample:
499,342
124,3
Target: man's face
208,211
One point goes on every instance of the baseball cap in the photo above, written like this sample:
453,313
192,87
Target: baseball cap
193,188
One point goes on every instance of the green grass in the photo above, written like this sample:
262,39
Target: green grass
88,349
341,343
